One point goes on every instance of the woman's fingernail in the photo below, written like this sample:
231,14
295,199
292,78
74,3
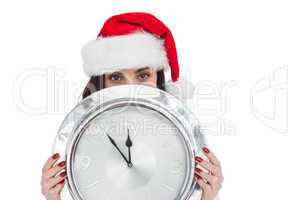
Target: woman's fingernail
61,164
199,159
197,176
198,170
63,174
62,181
206,150
55,156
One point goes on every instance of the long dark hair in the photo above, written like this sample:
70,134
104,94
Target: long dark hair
97,83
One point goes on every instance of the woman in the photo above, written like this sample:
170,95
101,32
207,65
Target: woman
133,48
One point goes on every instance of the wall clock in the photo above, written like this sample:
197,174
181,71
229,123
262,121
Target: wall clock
130,142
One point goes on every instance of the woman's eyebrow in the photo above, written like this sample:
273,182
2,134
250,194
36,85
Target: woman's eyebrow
141,69
116,72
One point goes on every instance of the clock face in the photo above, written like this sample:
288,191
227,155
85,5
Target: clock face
159,157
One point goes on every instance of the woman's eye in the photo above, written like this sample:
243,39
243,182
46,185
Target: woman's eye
114,77
143,76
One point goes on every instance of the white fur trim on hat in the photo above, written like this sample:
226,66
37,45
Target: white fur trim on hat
182,89
135,50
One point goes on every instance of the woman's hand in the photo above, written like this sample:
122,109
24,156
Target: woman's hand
53,178
210,181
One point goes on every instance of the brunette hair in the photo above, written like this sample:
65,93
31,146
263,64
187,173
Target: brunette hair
97,83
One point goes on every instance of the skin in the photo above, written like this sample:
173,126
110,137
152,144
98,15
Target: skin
211,182
52,181
53,176
145,76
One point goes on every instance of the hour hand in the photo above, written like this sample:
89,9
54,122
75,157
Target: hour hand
128,143
116,146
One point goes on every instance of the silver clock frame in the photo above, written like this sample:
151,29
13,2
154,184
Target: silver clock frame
130,95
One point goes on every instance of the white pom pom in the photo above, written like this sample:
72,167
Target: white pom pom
181,89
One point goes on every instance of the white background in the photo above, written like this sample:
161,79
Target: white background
244,46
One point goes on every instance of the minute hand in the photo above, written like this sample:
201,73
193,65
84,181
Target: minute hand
116,146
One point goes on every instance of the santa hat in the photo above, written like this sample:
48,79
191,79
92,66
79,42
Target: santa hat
135,40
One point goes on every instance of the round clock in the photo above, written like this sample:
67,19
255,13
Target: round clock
130,142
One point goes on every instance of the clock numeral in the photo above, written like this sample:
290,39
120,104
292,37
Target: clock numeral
82,162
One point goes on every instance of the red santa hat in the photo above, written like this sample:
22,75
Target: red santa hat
135,40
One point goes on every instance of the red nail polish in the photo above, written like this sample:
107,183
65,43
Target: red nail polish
62,181
206,150
198,177
63,174
198,170
61,164
55,156
199,159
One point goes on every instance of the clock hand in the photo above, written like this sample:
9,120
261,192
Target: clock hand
129,144
116,146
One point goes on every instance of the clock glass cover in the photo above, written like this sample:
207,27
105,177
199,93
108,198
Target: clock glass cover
129,142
